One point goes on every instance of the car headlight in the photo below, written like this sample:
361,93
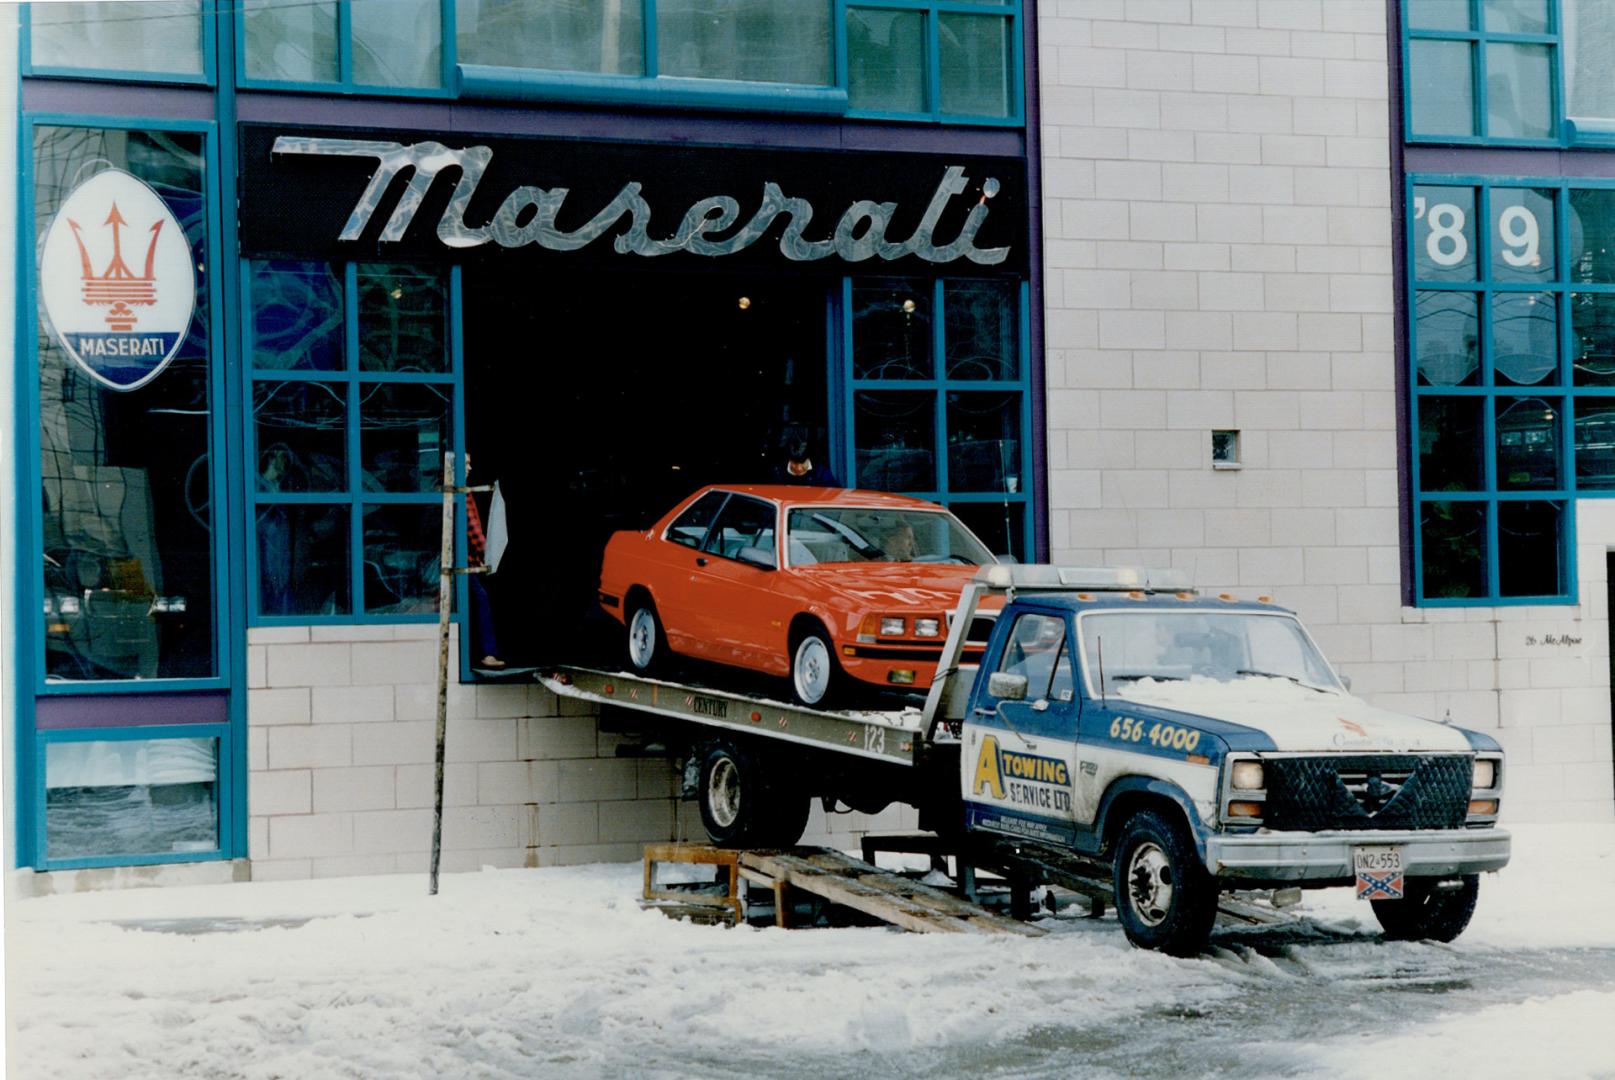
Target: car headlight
1485,773
927,627
892,626
1248,776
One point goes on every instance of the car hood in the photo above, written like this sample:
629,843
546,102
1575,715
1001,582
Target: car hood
933,586
1297,718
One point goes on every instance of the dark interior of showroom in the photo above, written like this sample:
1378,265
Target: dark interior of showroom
599,400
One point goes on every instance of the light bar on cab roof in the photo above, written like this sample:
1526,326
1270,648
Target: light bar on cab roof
1086,578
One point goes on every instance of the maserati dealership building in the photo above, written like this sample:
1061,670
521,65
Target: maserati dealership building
1304,297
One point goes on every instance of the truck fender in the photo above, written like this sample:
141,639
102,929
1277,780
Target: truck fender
1128,791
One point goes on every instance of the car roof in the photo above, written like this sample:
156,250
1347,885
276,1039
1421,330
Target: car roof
797,495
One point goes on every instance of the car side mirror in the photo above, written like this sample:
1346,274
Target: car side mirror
1007,686
757,556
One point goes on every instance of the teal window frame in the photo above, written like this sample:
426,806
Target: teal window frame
930,11
353,497
209,74
940,386
345,83
1487,390
1564,132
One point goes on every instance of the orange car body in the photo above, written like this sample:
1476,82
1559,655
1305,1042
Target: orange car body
731,610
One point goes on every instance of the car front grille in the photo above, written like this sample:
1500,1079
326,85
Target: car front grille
1360,791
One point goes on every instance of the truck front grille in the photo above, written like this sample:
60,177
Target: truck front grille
1361,791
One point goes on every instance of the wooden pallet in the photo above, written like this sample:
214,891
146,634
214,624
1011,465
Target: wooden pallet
703,907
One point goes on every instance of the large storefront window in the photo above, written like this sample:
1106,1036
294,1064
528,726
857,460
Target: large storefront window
376,44
156,38
353,406
131,797
939,404
126,499
946,59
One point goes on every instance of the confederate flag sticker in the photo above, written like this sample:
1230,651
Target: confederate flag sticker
116,280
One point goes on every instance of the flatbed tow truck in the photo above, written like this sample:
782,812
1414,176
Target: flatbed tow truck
1053,770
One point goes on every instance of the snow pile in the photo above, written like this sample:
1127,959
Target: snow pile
557,972
1201,693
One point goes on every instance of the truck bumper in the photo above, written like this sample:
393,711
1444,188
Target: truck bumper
1326,856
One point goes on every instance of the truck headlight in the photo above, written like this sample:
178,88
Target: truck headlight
1247,776
927,627
1485,773
892,626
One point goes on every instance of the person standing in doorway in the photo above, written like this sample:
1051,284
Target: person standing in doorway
484,643
798,467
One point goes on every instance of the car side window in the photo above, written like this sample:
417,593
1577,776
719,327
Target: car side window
745,523
1036,649
690,528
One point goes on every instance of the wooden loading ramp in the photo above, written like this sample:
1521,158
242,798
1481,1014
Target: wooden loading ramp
831,875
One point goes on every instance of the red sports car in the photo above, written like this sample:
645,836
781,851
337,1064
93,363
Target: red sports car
823,585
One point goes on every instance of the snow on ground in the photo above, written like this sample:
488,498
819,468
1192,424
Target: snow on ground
557,972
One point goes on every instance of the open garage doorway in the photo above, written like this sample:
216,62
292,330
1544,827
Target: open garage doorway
600,400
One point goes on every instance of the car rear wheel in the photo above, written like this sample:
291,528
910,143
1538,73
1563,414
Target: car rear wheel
647,647
815,675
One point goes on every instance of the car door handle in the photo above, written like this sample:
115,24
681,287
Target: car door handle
700,561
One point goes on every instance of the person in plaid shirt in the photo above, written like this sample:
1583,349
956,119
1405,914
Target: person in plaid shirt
484,644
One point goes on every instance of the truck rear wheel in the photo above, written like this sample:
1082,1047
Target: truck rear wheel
1428,913
1165,899
747,800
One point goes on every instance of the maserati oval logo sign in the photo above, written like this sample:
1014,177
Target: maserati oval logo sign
116,280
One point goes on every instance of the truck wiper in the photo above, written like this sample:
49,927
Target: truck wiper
1278,675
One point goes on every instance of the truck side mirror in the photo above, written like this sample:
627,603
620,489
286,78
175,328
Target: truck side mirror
1006,686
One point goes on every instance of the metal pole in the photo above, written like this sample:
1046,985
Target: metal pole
445,604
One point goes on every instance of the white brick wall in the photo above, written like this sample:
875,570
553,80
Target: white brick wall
1217,233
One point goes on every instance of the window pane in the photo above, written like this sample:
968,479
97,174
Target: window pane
294,40
974,57
1438,14
129,797
1523,241
303,559
1452,447
1518,97
1448,338
1592,329
397,42
785,41
1453,536
1001,526
981,329
690,528
886,60
605,37
1443,233
1442,87
163,36
403,319
891,330
1525,338
984,442
746,523
296,316
1589,44
1595,443
1528,443
896,440
1529,547
404,428
302,435
1592,236
1516,16
125,499
401,547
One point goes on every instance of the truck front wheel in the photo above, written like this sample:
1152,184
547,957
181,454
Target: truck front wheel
745,802
1428,912
1164,897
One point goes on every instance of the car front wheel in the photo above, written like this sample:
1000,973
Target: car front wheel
815,676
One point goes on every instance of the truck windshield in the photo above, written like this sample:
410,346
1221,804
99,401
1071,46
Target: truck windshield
840,534
1221,645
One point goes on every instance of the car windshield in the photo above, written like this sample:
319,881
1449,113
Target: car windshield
1221,645
843,534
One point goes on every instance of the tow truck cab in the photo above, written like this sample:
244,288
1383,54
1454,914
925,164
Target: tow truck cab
1204,743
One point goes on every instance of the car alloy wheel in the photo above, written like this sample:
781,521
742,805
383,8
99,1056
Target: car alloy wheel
643,634
812,670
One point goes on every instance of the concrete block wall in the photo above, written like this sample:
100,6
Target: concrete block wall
1217,228
341,761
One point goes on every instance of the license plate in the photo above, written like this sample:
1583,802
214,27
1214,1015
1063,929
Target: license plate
1379,872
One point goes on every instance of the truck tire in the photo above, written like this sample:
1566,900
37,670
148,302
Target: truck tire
815,676
1426,913
1165,899
746,802
646,648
